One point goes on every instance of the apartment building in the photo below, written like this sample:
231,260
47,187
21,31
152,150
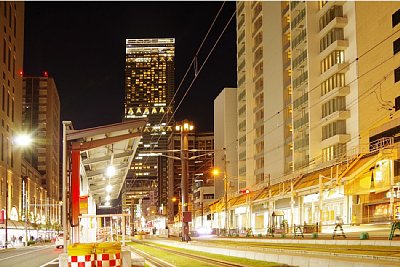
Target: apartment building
313,78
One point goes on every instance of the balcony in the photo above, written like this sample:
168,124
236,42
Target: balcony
300,101
338,91
338,22
337,115
327,6
337,45
337,68
339,138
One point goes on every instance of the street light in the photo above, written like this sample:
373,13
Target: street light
184,128
21,140
216,172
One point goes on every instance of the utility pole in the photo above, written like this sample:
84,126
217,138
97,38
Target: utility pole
186,216
226,194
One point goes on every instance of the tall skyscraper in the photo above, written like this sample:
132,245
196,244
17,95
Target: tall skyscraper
313,78
149,88
41,116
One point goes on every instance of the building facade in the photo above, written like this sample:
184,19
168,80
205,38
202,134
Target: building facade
11,60
41,116
332,79
225,141
149,89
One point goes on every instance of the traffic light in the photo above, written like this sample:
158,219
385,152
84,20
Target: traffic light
244,191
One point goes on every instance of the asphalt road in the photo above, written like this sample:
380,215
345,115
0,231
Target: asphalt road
36,256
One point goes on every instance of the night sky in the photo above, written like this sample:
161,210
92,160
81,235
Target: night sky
82,46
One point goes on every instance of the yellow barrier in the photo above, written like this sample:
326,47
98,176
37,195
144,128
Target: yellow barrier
108,254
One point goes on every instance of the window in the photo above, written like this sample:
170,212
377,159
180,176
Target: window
335,81
396,18
336,57
13,68
396,46
9,59
331,14
332,36
4,51
15,26
12,110
333,105
334,128
8,104
333,152
4,98
397,75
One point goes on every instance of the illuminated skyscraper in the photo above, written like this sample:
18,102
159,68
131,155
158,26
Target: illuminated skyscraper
149,88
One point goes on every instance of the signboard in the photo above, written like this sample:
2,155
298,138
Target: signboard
2,216
83,204
187,216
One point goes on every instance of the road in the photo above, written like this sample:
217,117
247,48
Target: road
36,256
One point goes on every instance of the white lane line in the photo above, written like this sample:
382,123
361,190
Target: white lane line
50,262
23,253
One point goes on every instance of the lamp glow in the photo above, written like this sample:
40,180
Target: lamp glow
108,198
108,188
23,140
215,171
110,172
107,203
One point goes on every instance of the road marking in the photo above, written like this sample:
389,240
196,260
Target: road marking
50,262
23,253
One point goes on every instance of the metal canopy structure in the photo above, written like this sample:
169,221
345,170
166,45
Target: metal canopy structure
104,146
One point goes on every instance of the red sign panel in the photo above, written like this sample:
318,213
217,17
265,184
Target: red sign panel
75,186
2,215
187,216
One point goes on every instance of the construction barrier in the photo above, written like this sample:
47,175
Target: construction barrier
108,254
81,255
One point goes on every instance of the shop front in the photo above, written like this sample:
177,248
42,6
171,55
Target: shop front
260,217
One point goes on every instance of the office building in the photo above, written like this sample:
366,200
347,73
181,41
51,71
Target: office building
41,116
149,88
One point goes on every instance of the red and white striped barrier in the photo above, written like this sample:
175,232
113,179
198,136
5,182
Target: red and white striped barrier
108,260
81,261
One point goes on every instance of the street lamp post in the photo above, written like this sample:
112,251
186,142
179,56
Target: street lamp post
19,140
216,172
186,216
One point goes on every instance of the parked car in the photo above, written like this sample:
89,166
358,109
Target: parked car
59,241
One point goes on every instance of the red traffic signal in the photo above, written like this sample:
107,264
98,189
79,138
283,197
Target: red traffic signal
244,191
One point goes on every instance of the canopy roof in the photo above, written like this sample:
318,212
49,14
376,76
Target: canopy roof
100,147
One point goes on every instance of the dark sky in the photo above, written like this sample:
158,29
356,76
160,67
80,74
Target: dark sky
82,45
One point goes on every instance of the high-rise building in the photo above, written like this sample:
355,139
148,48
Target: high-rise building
149,88
313,78
41,116
225,142
11,61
